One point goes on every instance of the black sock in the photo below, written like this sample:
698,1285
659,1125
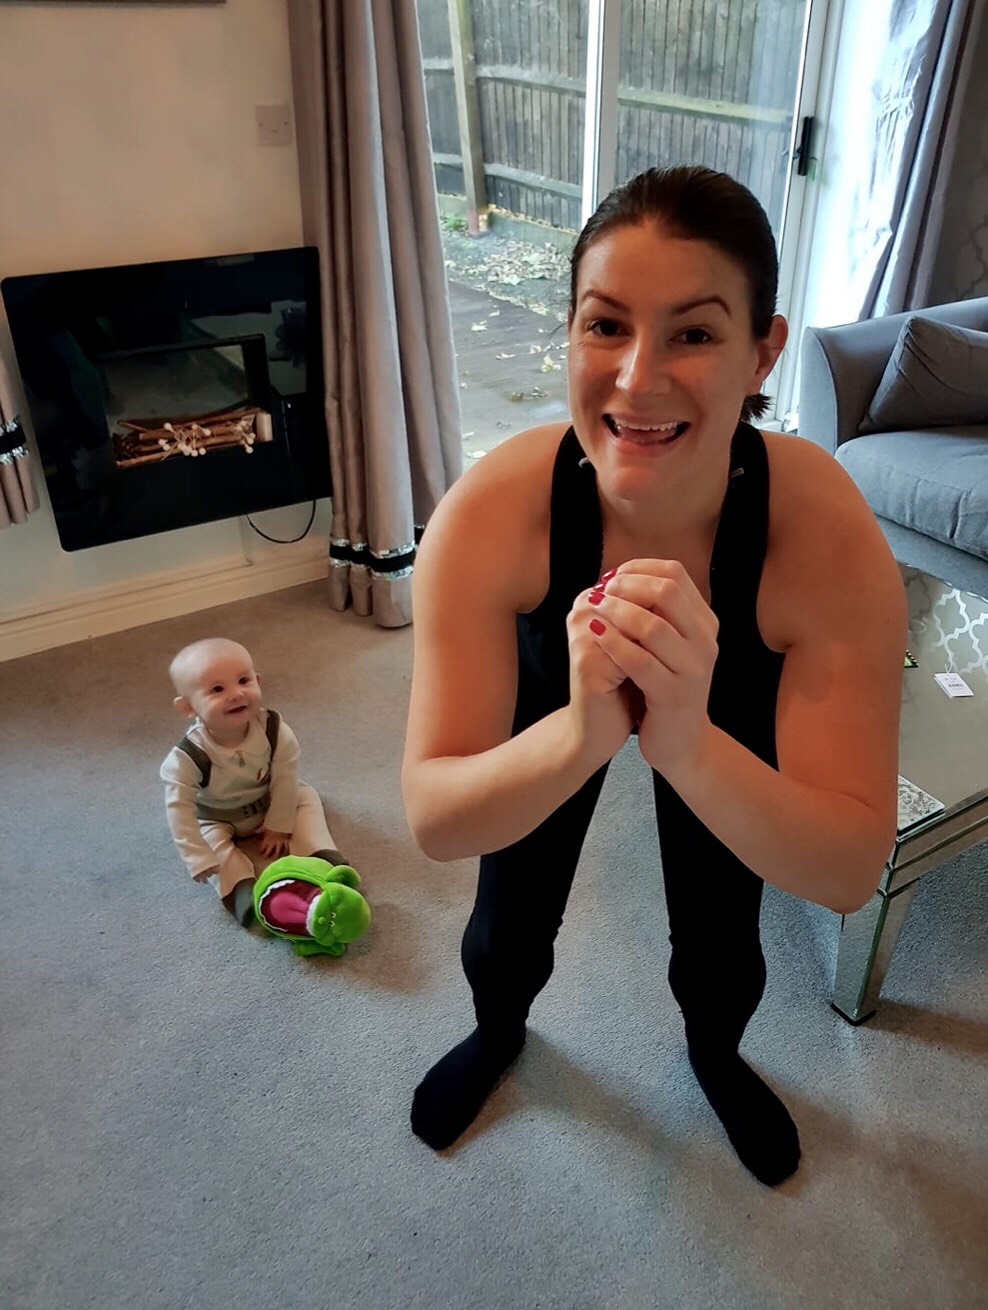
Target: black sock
759,1126
450,1095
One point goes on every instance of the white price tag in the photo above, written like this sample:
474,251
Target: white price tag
953,684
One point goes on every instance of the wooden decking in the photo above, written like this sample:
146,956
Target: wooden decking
501,396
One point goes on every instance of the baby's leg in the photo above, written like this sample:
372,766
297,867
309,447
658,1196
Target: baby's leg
236,872
312,835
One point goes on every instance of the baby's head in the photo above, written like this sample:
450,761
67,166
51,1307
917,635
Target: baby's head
215,681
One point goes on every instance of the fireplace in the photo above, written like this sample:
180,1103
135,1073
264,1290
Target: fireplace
165,395
230,373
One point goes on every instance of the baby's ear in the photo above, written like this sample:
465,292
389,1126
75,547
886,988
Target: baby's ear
183,707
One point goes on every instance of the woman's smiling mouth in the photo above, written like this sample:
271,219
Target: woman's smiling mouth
650,434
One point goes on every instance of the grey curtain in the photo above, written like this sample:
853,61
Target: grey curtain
17,495
369,204
924,69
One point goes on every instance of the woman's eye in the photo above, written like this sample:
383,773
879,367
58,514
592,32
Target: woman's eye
696,336
603,327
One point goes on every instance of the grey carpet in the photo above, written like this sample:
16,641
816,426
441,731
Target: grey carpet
193,1116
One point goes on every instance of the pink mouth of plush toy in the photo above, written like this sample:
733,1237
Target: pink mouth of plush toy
285,906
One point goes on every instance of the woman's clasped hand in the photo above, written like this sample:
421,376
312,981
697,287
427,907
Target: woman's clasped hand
643,642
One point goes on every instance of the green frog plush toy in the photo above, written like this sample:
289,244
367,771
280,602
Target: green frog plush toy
313,904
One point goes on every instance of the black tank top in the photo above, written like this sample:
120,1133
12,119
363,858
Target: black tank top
746,676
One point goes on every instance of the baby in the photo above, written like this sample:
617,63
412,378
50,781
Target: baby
235,775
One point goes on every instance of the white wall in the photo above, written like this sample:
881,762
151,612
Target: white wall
127,134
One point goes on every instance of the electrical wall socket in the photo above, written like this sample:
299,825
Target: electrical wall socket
274,125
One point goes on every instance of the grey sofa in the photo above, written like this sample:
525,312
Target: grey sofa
927,486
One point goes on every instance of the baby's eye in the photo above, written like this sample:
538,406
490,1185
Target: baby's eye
218,687
603,327
244,680
698,336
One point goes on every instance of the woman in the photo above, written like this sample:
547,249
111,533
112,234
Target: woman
659,567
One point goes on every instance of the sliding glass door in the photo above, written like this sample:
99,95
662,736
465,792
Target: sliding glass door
539,107
729,84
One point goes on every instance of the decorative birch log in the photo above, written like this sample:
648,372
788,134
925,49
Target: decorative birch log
151,440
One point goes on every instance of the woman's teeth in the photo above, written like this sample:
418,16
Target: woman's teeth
650,435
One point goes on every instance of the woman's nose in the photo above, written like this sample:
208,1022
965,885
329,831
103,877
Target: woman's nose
643,369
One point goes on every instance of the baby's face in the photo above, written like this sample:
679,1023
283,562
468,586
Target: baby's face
225,693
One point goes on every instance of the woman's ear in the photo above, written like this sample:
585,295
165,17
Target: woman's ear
770,348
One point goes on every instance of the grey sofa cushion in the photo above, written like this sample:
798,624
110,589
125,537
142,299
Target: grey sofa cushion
935,481
937,374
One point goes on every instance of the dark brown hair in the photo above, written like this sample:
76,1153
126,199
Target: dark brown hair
701,205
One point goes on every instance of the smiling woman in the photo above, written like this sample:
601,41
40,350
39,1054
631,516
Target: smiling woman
663,365
701,206
664,570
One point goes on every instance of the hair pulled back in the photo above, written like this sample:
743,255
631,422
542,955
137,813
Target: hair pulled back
702,205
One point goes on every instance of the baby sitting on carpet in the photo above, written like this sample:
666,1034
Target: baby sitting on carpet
235,775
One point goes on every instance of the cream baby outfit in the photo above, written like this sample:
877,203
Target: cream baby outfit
248,787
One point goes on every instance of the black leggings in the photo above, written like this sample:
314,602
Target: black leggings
717,970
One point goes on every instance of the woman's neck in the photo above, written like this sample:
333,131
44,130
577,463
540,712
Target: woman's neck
664,528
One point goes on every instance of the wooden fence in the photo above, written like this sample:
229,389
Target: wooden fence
701,81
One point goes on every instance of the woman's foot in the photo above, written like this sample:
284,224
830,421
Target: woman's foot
449,1097
759,1126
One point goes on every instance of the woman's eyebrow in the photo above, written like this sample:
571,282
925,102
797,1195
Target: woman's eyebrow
591,294
675,310
688,305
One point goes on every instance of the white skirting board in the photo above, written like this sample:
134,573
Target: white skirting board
102,610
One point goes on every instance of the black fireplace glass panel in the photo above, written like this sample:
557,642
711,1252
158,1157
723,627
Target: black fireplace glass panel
169,394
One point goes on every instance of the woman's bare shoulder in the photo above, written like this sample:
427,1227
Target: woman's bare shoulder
523,462
822,530
506,492
499,510
803,478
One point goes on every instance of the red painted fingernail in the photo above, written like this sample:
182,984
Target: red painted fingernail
595,597
609,574
597,628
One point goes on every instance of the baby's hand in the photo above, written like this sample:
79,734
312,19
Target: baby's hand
204,875
273,845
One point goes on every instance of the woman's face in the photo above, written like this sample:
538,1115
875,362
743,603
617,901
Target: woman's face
661,356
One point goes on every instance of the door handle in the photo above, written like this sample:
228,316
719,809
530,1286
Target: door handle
802,154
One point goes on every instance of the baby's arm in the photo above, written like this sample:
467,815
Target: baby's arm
181,779
279,822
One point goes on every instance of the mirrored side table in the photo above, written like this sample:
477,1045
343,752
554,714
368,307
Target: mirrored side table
943,750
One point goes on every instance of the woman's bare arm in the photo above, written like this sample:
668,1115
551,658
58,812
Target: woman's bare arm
469,787
822,825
